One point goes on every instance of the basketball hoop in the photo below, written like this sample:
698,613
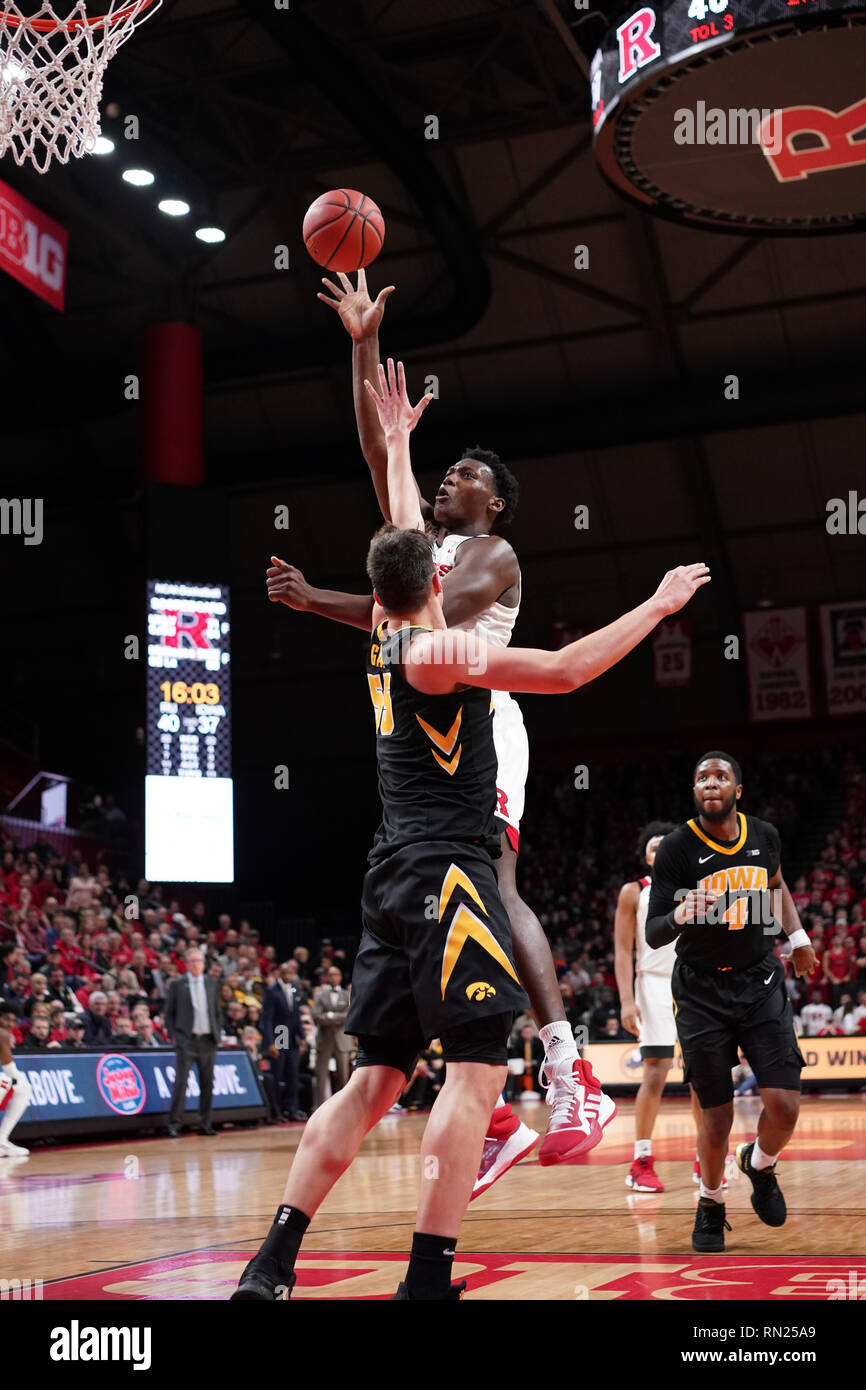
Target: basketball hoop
51,71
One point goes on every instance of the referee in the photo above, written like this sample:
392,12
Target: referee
717,884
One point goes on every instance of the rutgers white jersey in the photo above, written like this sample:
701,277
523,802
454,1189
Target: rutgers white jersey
648,961
496,623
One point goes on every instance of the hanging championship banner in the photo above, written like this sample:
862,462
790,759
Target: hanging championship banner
777,664
672,652
843,633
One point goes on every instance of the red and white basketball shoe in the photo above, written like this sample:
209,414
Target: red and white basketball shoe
508,1140
643,1177
696,1172
580,1112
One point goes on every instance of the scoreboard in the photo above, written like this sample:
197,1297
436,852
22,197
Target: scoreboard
732,115
189,831
650,37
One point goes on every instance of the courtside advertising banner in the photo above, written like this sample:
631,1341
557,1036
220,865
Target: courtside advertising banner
777,664
33,247
99,1085
843,635
827,1059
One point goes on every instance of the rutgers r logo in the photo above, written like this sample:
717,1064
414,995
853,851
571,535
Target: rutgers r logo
833,142
480,990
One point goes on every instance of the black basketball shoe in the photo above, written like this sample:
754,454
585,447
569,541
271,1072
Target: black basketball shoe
767,1196
457,1292
263,1282
708,1237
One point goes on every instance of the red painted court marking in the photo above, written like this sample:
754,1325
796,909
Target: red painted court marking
211,1275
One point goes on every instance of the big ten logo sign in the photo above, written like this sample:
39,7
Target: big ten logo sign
24,244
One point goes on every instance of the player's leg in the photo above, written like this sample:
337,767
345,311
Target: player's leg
533,959
642,1175
707,1034
658,1035
475,1053
452,1142
330,1141
14,1098
770,1044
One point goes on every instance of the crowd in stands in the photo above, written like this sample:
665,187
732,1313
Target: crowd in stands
86,957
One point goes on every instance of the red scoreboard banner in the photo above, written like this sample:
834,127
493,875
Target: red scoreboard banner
32,247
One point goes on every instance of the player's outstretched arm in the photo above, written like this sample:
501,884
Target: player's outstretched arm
361,317
624,929
447,657
287,585
398,418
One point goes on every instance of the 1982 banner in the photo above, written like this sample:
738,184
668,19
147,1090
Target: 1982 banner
777,662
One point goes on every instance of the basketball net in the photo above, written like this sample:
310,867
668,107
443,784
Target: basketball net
51,70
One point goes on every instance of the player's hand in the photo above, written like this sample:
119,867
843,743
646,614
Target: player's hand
396,413
804,961
630,1018
287,585
360,314
694,906
680,584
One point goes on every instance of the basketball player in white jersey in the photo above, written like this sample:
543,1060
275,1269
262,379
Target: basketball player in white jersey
14,1098
481,591
643,979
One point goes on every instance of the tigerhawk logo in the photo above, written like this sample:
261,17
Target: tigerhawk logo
479,990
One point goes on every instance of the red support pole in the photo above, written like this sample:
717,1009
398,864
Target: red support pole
172,436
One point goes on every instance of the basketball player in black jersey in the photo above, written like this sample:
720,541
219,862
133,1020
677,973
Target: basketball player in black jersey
435,958
717,881
477,496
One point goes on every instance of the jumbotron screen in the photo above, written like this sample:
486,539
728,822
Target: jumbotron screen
189,819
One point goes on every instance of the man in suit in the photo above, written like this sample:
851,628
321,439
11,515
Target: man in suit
192,1021
330,1006
282,1035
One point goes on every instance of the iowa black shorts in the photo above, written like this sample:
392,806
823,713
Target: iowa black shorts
435,956
718,1011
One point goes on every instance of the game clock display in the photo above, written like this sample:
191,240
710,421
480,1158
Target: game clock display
188,788
646,37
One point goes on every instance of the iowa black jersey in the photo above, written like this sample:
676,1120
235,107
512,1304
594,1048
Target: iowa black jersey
435,753
739,929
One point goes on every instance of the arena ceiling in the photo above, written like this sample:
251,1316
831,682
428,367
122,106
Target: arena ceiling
609,381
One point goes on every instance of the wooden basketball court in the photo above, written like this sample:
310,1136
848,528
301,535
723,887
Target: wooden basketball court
178,1219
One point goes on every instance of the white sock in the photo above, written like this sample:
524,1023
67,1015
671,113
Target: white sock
559,1044
500,1104
643,1148
714,1193
761,1160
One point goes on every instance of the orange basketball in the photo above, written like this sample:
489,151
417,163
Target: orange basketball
344,230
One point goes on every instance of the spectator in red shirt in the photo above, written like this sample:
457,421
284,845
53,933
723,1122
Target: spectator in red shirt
837,967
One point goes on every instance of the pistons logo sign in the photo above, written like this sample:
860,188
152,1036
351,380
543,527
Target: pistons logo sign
825,140
120,1084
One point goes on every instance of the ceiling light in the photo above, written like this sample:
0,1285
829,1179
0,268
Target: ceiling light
210,234
174,207
140,178
102,145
